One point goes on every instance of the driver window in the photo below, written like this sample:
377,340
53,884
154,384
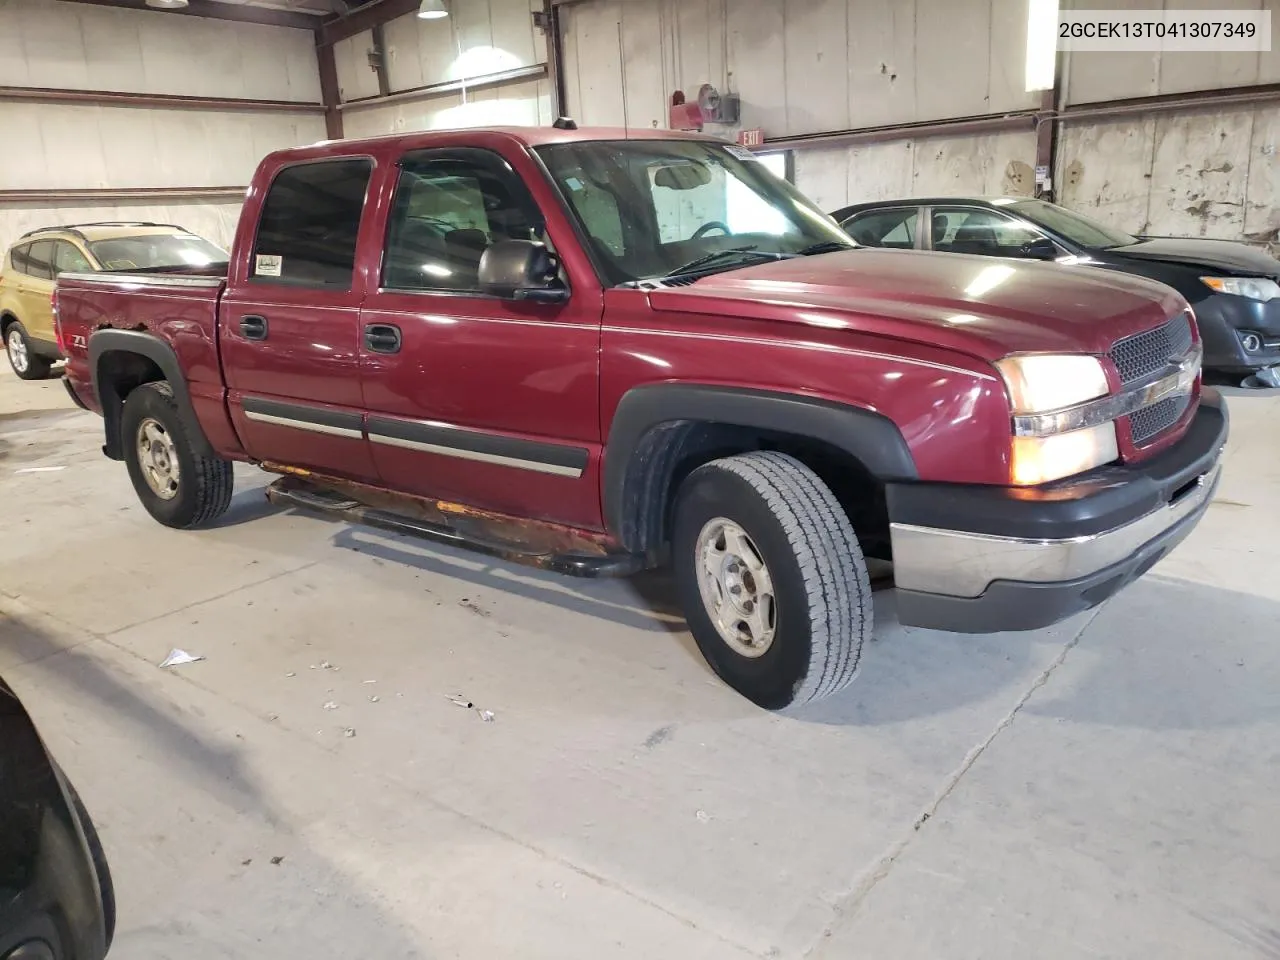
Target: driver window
448,209
981,232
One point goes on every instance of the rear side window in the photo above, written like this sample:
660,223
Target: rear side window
21,258
309,224
886,228
40,260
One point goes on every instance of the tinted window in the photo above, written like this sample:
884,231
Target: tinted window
41,260
309,223
981,232
21,258
651,207
886,228
158,251
67,259
448,208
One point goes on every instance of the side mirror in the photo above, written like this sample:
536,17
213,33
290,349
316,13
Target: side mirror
521,270
1041,248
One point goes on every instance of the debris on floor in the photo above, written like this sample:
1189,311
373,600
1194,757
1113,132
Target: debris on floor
486,715
374,699
40,469
331,705
703,816
177,658
277,860
349,732
461,701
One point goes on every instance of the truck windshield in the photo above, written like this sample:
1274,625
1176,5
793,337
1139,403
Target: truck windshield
1076,228
658,208
157,252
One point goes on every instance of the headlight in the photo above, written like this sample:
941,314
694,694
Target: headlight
1039,383
1041,459
1255,288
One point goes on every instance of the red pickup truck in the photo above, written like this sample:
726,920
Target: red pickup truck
598,351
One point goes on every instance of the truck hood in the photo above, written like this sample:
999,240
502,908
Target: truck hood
982,306
1235,258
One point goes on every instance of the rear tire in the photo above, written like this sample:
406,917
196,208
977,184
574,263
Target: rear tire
26,364
773,582
180,487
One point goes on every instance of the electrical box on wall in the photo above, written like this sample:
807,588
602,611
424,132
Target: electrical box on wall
710,107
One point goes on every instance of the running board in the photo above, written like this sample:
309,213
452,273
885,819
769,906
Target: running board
456,526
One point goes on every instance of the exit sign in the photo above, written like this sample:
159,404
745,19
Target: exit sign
751,138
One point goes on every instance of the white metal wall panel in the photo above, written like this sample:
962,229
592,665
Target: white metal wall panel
479,38
1201,174
1095,76
518,104
71,146
799,66
80,46
993,164
356,79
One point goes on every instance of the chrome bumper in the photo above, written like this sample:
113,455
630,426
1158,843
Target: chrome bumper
963,565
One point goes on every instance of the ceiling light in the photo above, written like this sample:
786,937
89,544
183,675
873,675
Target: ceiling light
432,9
167,4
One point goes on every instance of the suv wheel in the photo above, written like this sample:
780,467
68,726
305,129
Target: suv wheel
26,364
178,486
772,579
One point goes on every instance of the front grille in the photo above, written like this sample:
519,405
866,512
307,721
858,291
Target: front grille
1143,354
1157,418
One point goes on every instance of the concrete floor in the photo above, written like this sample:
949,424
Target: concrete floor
1105,788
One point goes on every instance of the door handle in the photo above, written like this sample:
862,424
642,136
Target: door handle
382,338
253,328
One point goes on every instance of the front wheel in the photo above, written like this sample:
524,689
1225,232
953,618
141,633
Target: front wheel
26,364
177,484
772,579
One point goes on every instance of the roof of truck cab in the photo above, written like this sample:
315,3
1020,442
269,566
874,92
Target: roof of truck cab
526,136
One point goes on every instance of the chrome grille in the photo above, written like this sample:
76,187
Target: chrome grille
1143,354
1157,418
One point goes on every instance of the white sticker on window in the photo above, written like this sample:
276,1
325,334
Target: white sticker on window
742,153
573,183
267,265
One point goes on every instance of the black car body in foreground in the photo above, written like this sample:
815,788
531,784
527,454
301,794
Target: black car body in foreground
1233,288
56,898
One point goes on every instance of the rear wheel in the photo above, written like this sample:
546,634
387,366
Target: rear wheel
25,363
773,582
178,485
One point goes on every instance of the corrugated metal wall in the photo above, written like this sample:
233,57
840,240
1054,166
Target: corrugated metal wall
1208,173
812,66
481,39
52,146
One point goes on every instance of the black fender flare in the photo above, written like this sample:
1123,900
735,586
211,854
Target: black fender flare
655,424
142,344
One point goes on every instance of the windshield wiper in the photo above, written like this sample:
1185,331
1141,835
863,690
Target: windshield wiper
826,246
733,253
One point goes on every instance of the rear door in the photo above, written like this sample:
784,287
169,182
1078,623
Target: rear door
896,228
36,293
289,322
472,398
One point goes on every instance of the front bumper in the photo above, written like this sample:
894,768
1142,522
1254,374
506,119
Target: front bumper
974,559
1224,320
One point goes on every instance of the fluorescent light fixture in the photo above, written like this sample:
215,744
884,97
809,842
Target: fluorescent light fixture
167,4
1042,44
433,10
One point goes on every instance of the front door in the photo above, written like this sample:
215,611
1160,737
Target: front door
290,322
471,398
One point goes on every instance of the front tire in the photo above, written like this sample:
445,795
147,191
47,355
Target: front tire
26,364
179,486
773,582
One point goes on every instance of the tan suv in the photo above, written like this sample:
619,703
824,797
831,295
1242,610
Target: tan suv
35,261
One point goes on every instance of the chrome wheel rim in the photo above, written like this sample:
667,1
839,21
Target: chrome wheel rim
737,590
18,351
158,459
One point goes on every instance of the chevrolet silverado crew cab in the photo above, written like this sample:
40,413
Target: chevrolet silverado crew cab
598,351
